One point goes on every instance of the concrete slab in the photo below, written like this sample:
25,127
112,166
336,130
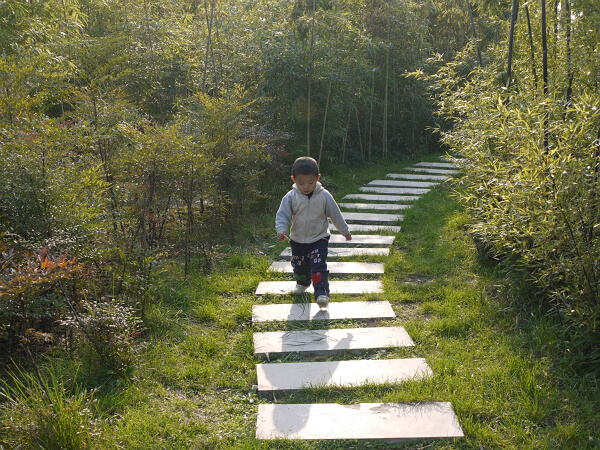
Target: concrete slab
415,176
331,340
311,311
336,267
362,239
394,191
390,422
403,183
296,376
344,252
438,165
374,206
371,217
335,287
354,227
434,171
382,198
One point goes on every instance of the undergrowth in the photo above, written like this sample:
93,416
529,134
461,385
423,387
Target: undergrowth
497,361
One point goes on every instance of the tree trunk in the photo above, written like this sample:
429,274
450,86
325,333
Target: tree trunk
384,137
347,128
310,76
474,33
511,39
209,23
325,119
569,91
545,74
370,146
153,60
362,149
535,83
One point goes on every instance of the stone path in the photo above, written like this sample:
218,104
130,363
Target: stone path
337,267
382,198
391,422
290,312
296,376
357,227
345,252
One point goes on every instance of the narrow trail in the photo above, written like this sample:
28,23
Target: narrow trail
377,208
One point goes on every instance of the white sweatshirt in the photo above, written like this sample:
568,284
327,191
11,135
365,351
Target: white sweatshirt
308,216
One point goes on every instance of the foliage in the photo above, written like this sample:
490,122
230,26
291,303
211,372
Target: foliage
534,205
46,413
29,290
110,329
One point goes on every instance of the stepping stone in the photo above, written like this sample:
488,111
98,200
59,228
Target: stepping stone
374,206
394,191
344,252
438,165
296,376
311,311
336,267
311,341
434,171
353,227
335,287
404,184
382,198
362,239
371,217
390,422
413,176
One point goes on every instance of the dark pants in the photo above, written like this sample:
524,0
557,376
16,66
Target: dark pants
309,262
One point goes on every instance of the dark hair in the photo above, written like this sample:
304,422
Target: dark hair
305,165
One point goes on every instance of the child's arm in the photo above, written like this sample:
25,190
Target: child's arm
334,213
283,219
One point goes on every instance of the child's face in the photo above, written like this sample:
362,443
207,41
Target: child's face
306,183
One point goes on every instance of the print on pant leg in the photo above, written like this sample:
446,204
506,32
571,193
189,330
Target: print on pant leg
320,283
301,270
318,263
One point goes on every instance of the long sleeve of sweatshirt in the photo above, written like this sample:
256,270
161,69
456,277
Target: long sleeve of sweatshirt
334,213
283,219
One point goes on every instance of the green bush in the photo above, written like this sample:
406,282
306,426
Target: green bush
44,413
109,329
535,210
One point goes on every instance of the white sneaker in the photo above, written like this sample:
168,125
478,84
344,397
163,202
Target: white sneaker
323,301
300,289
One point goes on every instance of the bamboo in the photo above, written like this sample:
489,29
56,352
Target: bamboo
153,59
569,91
384,137
532,46
474,33
511,39
310,75
545,74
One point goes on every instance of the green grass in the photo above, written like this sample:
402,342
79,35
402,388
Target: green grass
500,365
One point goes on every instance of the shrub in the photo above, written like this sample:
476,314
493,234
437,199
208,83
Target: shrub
30,292
44,413
534,209
110,329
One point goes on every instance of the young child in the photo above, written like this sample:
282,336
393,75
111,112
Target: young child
306,209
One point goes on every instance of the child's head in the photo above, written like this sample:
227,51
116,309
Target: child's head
305,165
305,173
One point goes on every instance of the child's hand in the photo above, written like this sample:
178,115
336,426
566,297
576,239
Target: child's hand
348,237
282,236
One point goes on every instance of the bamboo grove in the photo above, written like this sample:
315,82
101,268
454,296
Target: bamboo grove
136,131
527,121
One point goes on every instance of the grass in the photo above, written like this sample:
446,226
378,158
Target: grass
498,363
